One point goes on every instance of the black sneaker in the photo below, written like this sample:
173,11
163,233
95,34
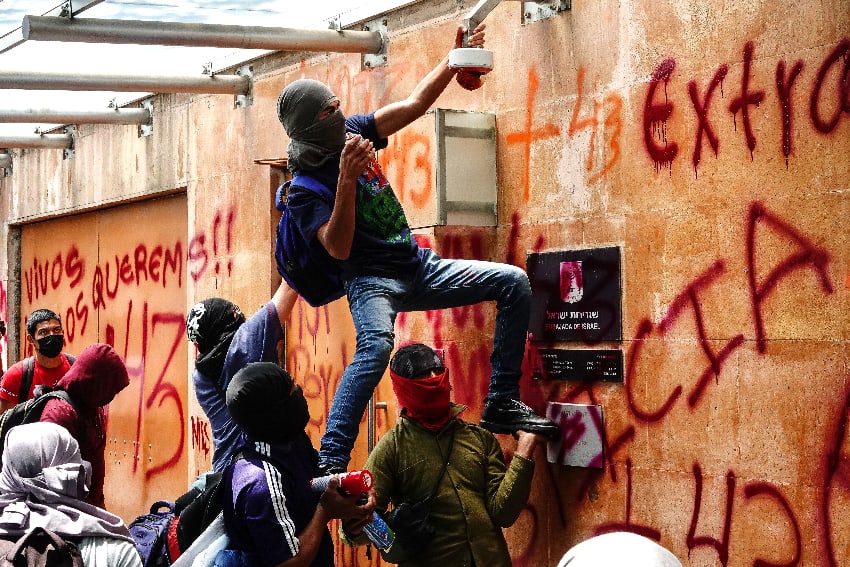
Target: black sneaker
504,415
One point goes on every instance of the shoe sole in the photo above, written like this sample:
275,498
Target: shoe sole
550,431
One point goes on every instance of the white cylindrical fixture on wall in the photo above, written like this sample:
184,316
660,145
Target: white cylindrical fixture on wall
96,30
5,160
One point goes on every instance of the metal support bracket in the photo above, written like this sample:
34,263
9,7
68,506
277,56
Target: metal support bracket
536,11
6,169
247,99
476,16
68,153
371,60
15,38
147,129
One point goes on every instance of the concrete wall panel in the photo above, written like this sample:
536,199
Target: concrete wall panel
113,283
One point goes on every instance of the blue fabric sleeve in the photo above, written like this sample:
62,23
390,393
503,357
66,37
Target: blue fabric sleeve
364,124
255,341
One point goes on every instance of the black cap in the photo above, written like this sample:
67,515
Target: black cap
415,361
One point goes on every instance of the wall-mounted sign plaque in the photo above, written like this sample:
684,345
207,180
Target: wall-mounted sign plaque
578,364
575,295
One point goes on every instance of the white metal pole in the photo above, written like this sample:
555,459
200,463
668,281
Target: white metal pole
215,84
52,116
41,141
96,30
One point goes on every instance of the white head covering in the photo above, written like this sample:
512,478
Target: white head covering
43,482
617,549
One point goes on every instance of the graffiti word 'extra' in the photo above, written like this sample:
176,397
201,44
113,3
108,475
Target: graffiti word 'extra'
829,101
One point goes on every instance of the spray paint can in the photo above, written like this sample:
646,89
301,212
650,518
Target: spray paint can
359,482
352,482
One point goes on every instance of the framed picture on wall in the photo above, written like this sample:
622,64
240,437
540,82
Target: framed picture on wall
576,295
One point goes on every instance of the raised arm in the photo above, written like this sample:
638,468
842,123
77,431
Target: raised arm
395,116
337,235
284,299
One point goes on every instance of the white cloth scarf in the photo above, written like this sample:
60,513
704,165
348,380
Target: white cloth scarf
43,483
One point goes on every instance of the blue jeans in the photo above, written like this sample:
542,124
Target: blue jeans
438,284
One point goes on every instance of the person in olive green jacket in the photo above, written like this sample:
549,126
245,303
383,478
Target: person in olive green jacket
478,494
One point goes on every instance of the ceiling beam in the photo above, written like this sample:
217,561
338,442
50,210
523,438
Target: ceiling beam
41,141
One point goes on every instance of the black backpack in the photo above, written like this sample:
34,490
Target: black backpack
306,266
183,521
150,534
29,412
29,371
39,547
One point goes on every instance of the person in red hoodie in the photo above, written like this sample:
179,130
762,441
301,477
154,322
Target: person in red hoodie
92,382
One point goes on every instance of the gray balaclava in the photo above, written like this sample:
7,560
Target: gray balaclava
312,141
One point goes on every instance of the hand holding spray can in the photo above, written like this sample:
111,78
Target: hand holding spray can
359,482
352,482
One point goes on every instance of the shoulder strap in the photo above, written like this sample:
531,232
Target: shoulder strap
445,465
26,379
63,395
28,373
42,400
394,433
313,185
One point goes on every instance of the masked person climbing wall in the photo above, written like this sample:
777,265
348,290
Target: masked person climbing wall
384,271
226,342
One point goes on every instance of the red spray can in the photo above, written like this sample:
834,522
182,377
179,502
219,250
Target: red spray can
352,482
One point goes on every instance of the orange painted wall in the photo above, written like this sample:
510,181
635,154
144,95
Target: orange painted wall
113,283
710,142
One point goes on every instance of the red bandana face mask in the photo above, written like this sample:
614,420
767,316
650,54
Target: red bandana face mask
426,400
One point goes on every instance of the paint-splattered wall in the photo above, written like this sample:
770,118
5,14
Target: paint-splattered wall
710,142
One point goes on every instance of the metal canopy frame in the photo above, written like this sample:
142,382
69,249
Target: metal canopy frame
209,84
61,24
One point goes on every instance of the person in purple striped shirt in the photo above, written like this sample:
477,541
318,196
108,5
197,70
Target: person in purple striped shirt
270,513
